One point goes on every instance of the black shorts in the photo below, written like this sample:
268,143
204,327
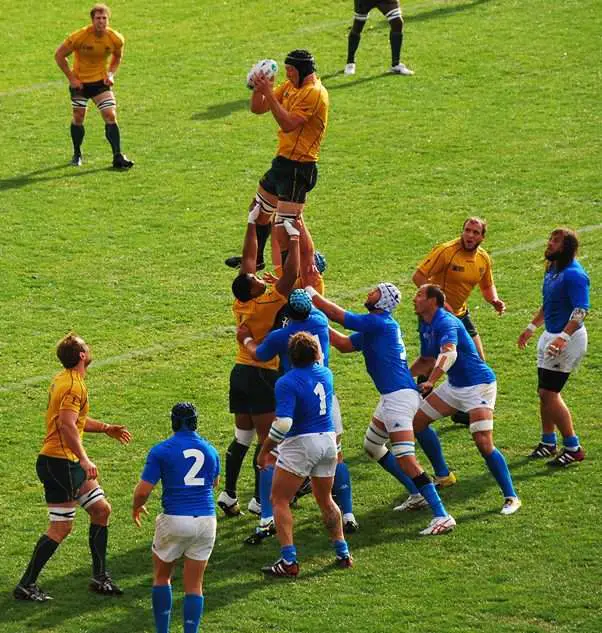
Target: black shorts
89,91
290,180
551,380
363,7
468,324
62,479
252,389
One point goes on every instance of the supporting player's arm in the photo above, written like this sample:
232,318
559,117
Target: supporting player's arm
527,333
249,247
331,310
290,270
116,431
141,494
67,427
60,57
490,295
342,342
447,357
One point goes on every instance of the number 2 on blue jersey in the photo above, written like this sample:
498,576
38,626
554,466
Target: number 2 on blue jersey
190,478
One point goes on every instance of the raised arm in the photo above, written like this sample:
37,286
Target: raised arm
342,342
286,120
331,310
290,270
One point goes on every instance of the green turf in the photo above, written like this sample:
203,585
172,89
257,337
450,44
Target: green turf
502,119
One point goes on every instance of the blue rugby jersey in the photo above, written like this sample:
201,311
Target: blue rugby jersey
276,342
378,337
563,292
305,395
469,369
187,466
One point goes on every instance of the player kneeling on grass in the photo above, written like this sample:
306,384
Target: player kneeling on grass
188,467
304,432
470,386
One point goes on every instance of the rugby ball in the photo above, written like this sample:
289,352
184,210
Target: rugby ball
267,67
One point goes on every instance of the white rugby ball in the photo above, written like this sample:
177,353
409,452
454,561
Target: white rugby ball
267,67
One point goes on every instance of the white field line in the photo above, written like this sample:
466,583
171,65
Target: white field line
159,348
33,88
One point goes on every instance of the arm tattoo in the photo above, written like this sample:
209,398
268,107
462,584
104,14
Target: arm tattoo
578,315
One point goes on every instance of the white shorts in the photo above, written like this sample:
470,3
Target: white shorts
570,356
336,415
463,398
396,410
312,455
177,536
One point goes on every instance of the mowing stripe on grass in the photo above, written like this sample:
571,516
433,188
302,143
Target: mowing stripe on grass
159,348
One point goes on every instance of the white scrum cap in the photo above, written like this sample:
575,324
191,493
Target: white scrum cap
390,296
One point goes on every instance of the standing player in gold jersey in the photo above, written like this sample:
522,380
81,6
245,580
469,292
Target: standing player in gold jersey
91,78
457,267
69,475
300,107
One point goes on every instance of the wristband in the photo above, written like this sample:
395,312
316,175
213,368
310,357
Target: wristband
246,340
564,336
531,327
311,291
110,76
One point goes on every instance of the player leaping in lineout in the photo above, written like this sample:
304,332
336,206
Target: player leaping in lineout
300,107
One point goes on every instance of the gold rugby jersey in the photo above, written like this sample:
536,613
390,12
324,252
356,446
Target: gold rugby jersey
457,271
67,392
311,102
92,52
259,315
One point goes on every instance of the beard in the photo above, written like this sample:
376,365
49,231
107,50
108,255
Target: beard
552,257
468,248
369,306
88,361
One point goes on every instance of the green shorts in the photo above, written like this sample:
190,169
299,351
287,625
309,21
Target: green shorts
290,180
62,479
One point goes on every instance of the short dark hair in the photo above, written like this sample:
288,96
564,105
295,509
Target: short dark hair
241,287
69,348
303,349
570,246
433,291
476,220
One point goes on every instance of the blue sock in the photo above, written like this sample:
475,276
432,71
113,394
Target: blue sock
342,487
162,607
429,492
391,465
289,553
496,463
548,438
265,490
432,449
341,549
571,443
192,611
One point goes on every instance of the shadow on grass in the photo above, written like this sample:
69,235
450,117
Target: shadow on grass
41,175
220,110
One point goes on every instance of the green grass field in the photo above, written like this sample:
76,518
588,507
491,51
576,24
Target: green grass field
502,119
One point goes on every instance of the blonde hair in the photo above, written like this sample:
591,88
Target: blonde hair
100,8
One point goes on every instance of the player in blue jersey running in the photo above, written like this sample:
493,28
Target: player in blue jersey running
304,433
470,386
301,316
378,337
188,467
562,345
